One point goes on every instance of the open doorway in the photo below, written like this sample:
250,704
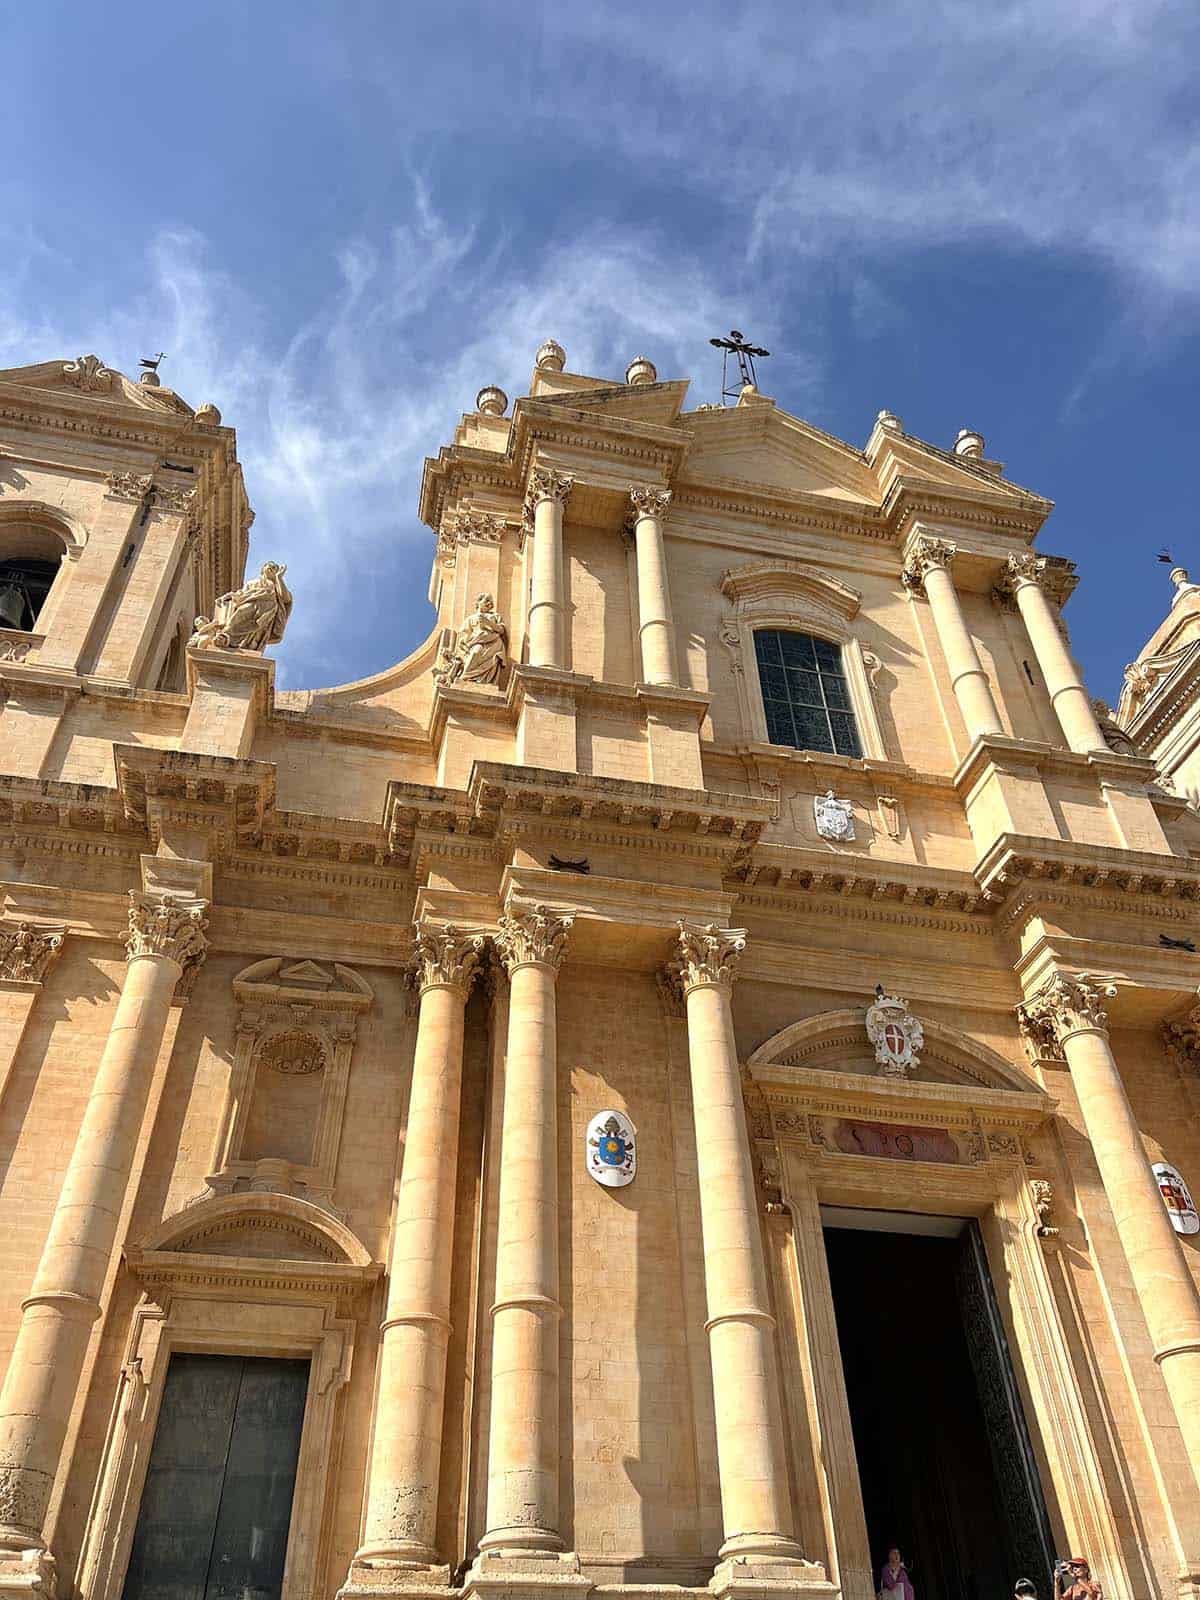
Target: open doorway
944,1458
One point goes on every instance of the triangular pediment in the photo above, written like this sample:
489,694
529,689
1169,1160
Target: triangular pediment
764,448
89,377
658,403
306,973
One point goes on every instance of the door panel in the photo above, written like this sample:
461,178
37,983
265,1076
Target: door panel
216,1507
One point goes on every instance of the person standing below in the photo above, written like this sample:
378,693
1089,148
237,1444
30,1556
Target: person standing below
1073,1581
894,1581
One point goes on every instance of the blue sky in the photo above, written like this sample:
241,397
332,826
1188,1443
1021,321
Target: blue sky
339,220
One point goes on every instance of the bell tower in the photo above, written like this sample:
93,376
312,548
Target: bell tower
123,514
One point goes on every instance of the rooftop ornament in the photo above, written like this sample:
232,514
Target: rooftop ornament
745,355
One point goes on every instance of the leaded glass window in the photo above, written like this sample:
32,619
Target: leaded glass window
805,694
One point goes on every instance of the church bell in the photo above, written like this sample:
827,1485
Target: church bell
12,607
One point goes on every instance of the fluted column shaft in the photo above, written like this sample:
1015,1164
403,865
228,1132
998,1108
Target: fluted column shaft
547,497
1069,1011
1068,693
656,624
523,1463
755,1502
929,567
48,1355
406,1448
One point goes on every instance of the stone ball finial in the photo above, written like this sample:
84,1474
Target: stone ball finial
640,370
551,356
209,414
150,379
492,401
890,421
969,444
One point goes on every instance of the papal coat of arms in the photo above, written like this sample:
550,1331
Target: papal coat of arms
1177,1197
895,1033
834,817
611,1149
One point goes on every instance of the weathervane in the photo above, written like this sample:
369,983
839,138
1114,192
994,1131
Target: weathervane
736,345
149,366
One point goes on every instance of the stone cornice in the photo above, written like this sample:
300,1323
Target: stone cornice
1021,861
221,795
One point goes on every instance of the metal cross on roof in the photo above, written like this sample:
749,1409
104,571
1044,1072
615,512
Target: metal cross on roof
736,345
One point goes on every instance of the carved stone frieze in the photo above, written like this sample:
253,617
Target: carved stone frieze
924,554
706,955
448,957
1067,1003
27,952
532,934
167,925
89,374
128,485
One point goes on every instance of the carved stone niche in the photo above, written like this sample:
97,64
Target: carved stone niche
297,1022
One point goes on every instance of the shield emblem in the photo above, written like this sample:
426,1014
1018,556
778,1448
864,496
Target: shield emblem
1177,1197
611,1149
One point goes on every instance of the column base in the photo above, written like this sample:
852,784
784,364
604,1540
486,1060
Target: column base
512,1573
761,1576
379,1579
28,1573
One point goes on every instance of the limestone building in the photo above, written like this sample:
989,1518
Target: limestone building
685,1082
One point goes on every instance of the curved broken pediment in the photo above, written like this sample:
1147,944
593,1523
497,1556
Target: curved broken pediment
772,584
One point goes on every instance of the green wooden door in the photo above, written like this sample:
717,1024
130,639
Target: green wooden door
217,1504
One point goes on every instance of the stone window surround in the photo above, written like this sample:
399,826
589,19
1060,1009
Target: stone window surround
793,598
18,520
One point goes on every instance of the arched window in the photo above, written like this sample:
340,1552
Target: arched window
805,695
24,585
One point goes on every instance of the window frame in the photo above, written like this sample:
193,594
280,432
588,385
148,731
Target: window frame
850,708
792,598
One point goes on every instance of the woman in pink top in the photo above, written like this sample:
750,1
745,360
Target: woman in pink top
894,1581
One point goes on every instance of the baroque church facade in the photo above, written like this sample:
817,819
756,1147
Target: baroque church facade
687,1082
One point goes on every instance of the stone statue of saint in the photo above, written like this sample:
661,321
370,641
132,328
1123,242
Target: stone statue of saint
1115,736
250,618
894,1581
480,649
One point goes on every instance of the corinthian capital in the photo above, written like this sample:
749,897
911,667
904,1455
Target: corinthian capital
532,934
925,553
649,502
1067,1003
446,957
167,925
548,483
27,952
707,954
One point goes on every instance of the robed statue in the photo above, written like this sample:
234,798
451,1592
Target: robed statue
249,618
479,651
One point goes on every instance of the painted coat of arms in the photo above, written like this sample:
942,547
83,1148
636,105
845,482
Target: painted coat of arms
611,1149
896,1034
834,817
1177,1197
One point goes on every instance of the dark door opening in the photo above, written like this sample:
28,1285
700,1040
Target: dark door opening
944,1457
217,1504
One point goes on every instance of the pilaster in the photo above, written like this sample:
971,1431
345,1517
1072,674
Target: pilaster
229,691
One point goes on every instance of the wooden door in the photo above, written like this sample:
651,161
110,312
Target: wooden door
217,1503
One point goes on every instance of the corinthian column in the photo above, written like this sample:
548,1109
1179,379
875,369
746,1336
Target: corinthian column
1067,1018
656,626
401,1522
1023,578
523,1465
928,567
166,935
547,495
754,1490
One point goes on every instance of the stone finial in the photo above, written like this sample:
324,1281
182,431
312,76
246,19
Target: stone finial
1183,584
551,357
209,415
150,379
969,444
491,401
890,421
640,370
89,374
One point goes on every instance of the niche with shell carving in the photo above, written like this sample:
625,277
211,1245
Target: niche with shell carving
297,1023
